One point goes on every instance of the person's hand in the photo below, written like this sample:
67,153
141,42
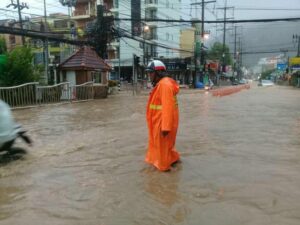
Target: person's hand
164,133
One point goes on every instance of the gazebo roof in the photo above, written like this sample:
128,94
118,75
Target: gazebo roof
85,59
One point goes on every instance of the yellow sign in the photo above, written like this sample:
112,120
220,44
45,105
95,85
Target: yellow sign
294,61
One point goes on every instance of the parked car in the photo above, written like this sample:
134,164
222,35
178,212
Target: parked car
266,83
243,81
234,82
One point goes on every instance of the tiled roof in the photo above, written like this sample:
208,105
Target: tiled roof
85,59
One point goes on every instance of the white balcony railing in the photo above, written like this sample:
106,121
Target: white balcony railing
82,14
151,4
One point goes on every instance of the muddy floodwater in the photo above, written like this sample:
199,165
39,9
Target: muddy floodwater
240,163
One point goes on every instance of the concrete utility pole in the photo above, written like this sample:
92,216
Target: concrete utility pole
235,53
224,34
134,74
199,45
298,52
296,37
46,50
20,7
224,37
119,55
240,58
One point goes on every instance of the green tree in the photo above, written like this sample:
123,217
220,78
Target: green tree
266,75
216,53
3,48
19,68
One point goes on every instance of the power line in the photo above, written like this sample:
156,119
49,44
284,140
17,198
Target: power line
40,35
212,21
267,9
265,52
20,7
125,33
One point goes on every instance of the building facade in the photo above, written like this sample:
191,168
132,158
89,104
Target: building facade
11,40
187,40
159,33
136,37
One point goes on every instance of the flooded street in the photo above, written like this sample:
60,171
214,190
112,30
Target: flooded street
240,163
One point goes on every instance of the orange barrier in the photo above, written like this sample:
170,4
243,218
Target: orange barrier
229,90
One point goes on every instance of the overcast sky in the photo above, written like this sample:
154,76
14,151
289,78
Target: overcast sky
241,13
36,7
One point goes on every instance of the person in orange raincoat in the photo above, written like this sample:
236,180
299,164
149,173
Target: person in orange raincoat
162,118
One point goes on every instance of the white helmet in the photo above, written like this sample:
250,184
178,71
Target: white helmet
156,65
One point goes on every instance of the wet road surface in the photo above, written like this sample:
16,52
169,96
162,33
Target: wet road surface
240,163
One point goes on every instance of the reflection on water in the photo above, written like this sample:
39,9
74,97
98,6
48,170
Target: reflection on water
8,198
163,191
240,163
163,186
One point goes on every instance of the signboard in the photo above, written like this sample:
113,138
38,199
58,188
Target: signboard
171,66
281,66
294,61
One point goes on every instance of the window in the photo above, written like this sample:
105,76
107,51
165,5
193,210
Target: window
169,18
96,76
116,3
153,33
151,1
151,14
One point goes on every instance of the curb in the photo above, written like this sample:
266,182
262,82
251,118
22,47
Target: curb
229,90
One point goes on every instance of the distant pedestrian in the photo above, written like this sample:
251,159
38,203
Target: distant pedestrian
162,117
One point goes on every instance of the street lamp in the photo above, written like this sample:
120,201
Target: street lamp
146,29
206,36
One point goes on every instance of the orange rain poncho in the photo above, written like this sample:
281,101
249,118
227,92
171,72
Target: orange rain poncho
162,115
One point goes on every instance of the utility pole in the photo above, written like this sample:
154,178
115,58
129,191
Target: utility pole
199,45
224,35
296,37
241,52
46,51
235,55
119,55
134,74
239,58
20,7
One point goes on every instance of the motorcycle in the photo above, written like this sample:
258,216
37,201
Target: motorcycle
9,132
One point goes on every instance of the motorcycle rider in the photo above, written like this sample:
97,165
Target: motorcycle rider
9,130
